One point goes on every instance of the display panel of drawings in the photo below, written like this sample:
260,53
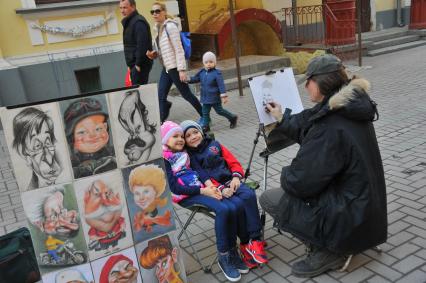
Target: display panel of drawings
37,146
104,214
135,121
93,185
279,86
148,200
55,227
161,260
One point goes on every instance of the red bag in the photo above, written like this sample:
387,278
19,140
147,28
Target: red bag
128,79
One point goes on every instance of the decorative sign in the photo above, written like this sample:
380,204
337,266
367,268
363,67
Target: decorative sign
94,188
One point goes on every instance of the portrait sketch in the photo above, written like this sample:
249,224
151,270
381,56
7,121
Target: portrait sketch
279,86
120,267
103,213
136,125
79,273
161,260
37,146
55,227
149,200
88,133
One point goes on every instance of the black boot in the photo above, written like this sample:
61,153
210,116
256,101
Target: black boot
233,122
318,261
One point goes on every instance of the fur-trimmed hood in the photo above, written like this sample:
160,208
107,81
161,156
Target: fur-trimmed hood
352,102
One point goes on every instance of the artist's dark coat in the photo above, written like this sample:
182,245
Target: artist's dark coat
335,194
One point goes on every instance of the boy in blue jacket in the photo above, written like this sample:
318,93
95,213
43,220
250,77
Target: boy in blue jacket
213,92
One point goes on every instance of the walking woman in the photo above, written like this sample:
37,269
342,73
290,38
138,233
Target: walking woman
172,57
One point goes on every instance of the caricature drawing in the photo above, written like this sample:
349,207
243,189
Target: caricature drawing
161,255
148,183
267,92
119,269
71,275
133,117
103,208
87,130
34,140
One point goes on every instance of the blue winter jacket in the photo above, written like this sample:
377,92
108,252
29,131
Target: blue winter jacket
211,85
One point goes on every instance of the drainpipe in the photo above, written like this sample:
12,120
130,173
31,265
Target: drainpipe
399,13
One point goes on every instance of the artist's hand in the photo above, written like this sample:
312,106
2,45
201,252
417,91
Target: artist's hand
138,68
275,110
224,99
182,76
209,183
151,54
227,192
235,184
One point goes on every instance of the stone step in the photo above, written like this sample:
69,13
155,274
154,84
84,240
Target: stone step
419,32
396,48
393,42
384,34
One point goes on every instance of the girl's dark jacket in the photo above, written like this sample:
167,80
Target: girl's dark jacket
335,186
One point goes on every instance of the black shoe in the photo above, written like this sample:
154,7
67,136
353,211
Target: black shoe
233,123
318,261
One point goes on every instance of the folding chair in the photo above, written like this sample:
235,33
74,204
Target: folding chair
194,210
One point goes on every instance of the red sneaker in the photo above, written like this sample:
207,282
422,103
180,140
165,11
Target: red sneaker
246,257
257,251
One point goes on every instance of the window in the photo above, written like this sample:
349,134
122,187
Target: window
52,1
88,80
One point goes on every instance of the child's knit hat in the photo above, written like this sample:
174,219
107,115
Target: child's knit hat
209,56
168,129
188,124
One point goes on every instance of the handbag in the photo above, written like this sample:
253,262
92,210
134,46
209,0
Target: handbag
18,262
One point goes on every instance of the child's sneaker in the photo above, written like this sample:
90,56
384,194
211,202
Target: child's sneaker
238,262
247,258
233,122
257,251
228,269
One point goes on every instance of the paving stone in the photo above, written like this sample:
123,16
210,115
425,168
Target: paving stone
279,266
416,276
403,250
377,279
274,277
358,275
400,238
409,263
383,270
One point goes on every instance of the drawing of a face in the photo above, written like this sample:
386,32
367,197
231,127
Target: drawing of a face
119,269
102,206
144,195
91,134
266,92
57,219
163,268
133,117
34,140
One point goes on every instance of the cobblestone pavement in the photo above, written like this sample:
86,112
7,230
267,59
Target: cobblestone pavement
398,86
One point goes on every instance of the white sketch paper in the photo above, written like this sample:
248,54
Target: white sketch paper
37,146
136,125
279,87
78,273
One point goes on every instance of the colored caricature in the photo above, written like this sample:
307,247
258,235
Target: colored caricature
119,269
70,276
34,140
133,117
55,230
161,255
148,183
87,130
103,208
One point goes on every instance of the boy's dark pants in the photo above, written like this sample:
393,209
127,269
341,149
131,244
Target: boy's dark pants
206,108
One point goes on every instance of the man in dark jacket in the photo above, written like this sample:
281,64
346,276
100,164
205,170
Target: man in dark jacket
333,194
137,41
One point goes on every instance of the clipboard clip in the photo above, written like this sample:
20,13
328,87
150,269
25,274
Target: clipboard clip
271,72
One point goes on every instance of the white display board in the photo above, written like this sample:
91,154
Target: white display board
279,87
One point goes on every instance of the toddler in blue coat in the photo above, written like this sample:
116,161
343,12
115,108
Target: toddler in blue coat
213,93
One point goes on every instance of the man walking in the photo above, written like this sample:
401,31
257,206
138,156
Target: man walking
137,41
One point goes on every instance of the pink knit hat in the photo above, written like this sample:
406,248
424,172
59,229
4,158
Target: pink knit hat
168,129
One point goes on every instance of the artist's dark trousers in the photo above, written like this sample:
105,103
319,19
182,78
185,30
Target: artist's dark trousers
164,85
235,216
139,78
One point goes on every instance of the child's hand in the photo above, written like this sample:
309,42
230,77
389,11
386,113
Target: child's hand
224,99
227,192
235,184
212,192
151,54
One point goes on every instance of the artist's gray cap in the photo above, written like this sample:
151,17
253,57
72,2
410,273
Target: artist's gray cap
323,64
